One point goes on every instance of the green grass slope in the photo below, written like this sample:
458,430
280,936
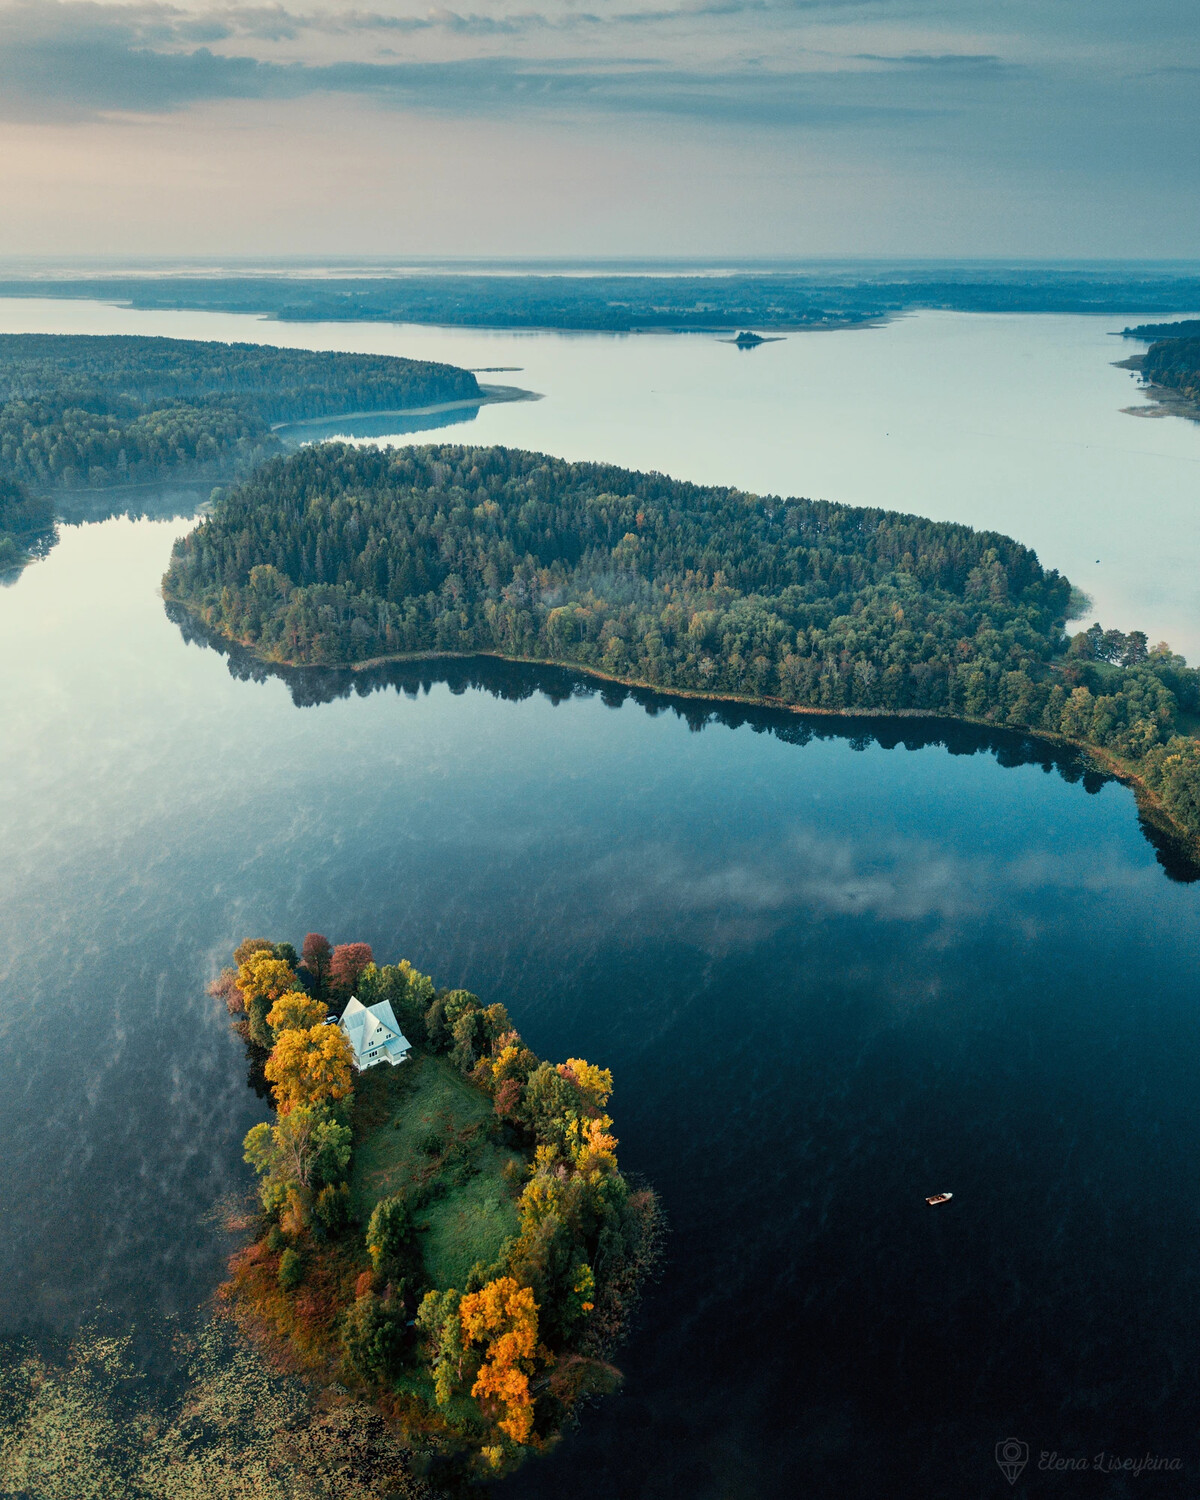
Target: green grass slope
423,1128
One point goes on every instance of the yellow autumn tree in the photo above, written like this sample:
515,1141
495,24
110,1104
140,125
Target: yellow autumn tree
503,1317
593,1146
295,1011
264,977
310,1066
596,1083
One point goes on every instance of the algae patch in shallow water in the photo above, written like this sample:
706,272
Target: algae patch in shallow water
81,1423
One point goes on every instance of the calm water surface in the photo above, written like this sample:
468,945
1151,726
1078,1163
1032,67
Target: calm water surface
830,977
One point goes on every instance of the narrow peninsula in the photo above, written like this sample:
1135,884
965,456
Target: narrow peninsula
345,556
444,1228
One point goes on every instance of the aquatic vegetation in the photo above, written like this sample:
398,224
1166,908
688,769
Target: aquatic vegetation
81,1423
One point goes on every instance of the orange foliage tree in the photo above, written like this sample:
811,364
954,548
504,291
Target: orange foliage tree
504,1317
311,1066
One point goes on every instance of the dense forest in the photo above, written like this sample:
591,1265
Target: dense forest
1175,364
451,1234
1185,328
84,411
340,555
717,299
25,520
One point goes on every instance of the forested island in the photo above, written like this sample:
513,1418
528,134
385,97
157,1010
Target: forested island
447,1231
659,298
345,556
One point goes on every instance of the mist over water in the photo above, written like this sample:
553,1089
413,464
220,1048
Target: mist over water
834,967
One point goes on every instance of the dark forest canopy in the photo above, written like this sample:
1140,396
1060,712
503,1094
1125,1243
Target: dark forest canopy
1175,364
85,411
1186,328
24,518
340,555
775,297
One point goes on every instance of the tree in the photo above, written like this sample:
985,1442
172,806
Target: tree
407,991
331,1209
225,987
295,1010
249,946
346,963
389,1235
438,1319
503,1317
508,1100
310,1067
551,1104
291,1269
262,978
306,1150
446,1010
596,1083
373,1334
315,953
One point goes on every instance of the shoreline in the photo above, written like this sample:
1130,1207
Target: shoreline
490,395
1164,401
1148,804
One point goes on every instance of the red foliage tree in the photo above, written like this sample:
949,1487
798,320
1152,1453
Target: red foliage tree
316,955
508,1099
347,963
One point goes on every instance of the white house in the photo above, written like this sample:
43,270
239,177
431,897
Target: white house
373,1033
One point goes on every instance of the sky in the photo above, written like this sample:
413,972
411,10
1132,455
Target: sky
601,128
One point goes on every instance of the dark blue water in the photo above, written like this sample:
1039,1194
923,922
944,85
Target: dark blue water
834,967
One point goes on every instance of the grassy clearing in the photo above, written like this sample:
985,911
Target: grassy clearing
399,1113
471,1222
422,1125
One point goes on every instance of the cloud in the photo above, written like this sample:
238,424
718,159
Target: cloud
805,875
79,60
943,62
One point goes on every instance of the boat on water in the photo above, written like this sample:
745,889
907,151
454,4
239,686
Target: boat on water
939,1198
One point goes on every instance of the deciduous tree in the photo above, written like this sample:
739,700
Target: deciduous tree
346,963
503,1317
262,978
310,1067
295,1010
315,953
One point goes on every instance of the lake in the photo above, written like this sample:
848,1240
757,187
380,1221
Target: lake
834,966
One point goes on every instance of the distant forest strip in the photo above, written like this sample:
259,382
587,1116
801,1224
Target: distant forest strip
1186,328
339,555
778,299
83,411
